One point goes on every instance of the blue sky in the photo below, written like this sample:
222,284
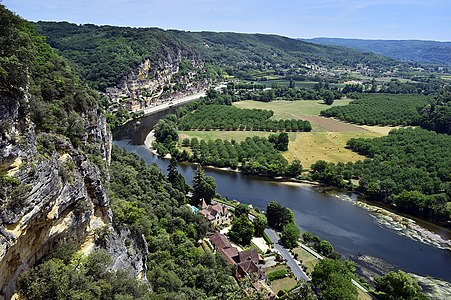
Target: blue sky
372,19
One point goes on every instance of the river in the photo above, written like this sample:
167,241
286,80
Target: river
355,232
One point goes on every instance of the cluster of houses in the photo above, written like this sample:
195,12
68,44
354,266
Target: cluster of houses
245,263
147,86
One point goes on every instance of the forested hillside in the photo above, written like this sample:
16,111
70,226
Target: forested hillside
104,54
431,52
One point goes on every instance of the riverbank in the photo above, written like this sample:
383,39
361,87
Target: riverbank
402,225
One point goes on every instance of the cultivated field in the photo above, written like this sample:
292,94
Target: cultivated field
291,109
310,147
327,140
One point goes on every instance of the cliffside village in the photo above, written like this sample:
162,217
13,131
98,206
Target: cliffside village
152,85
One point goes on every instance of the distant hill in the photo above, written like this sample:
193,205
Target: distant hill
430,52
105,54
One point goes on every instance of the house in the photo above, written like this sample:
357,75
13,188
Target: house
245,262
132,105
216,214
247,265
249,268
222,245
249,255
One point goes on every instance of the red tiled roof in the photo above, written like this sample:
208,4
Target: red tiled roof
249,255
220,241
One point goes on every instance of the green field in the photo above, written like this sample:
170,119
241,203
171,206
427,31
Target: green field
291,109
310,147
307,259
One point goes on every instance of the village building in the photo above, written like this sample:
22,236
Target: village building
132,105
246,263
217,214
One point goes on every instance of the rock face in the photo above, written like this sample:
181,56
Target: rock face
51,197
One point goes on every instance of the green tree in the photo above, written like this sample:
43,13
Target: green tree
242,230
295,168
333,280
328,97
204,187
260,224
325,248
242,209
175,178
290,235
278,216
166,132
399,285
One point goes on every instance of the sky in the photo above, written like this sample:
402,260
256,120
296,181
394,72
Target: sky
370,19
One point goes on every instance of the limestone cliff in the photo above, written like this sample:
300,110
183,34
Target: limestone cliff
55,150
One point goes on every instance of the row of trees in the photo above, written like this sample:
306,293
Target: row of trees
256,155
223,117
409,167
380,109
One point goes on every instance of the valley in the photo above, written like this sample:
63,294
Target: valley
147,163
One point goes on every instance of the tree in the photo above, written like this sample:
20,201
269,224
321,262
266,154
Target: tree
260,224
242,209
295,168
290,235
332,278
280,141
304,292
242,230
325,248
204,187
175,178
328,97
166,132
278,216
399,285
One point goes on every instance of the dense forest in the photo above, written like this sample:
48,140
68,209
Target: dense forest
222,117
409,168
431,52
380,109
105,54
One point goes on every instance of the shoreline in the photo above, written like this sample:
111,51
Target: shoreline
403,225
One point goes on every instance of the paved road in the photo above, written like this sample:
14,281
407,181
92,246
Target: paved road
295,268
178,101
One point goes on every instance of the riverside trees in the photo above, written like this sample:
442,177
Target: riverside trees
254,155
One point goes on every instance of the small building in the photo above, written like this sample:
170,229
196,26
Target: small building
216,214
132,105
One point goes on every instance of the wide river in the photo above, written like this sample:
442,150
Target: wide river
353,231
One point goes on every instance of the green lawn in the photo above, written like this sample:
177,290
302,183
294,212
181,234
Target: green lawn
276,268
286,284
291,109
308,260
